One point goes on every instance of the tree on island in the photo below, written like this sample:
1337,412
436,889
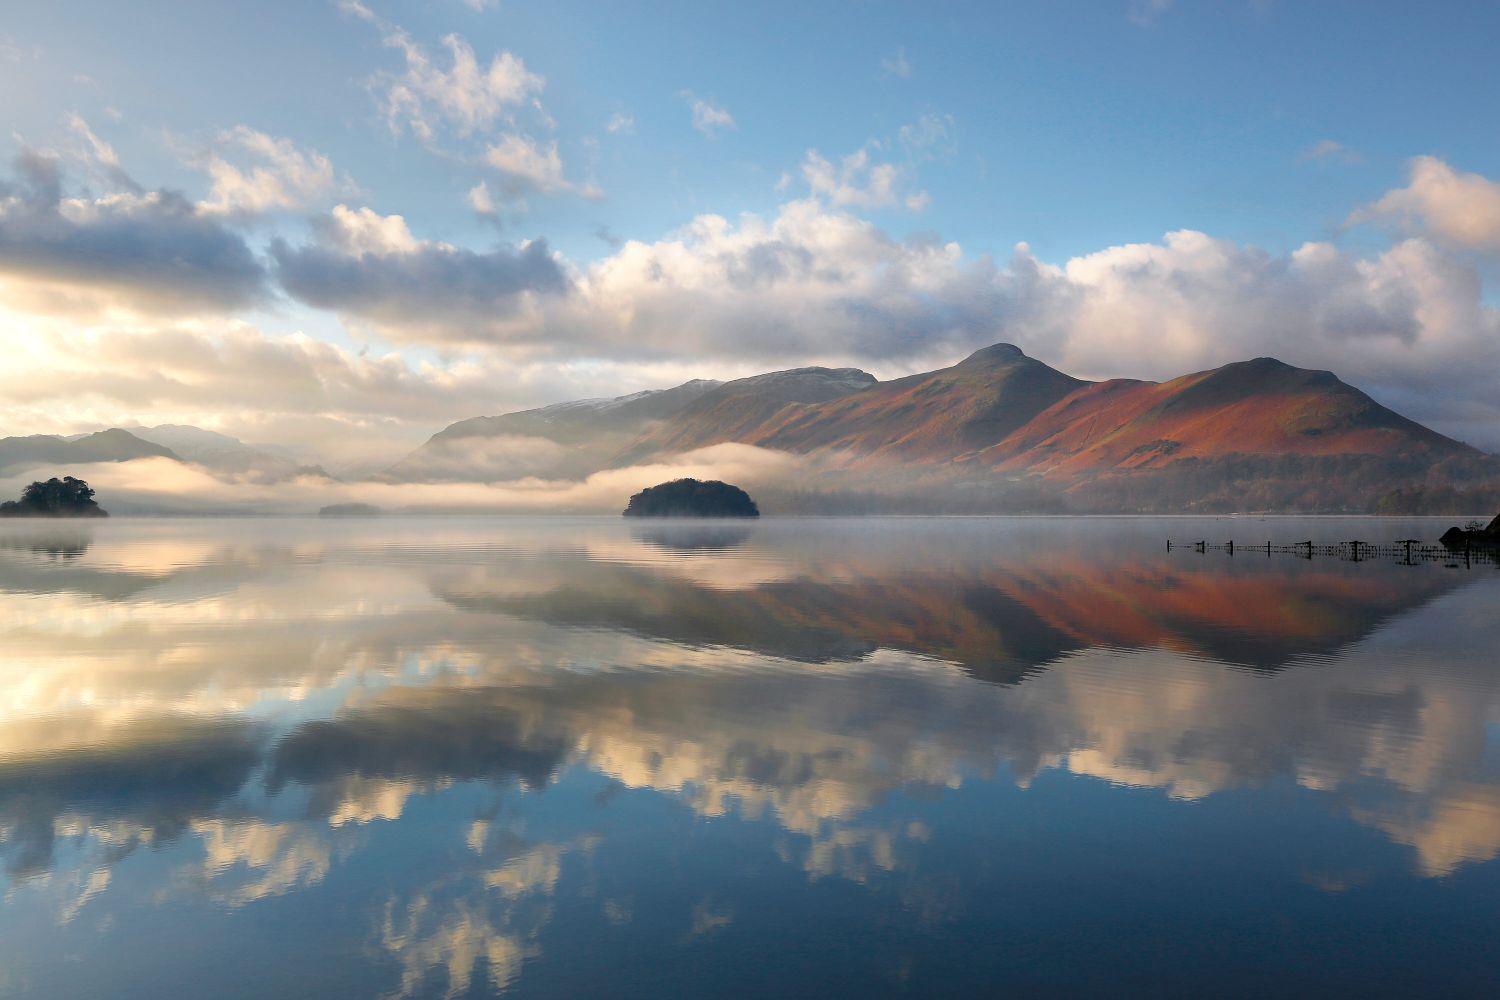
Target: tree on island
691,498
65,497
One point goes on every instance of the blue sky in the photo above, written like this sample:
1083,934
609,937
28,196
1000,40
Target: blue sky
868,139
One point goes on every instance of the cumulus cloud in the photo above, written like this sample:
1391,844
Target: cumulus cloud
280,177
620,123
369,267
527,166
708,117
809,282
818,284
467,95
857,181
1408,324
143,250
1462,209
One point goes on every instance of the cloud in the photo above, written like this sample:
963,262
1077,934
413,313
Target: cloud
151,251
1407,324
467,95
896,64
1329,150
1462,209
283,178
930,137
816,283
708,117
528,166
370,268
859,182
483,203
620,123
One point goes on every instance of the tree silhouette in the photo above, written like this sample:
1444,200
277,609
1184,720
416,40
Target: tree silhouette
690,498
65,497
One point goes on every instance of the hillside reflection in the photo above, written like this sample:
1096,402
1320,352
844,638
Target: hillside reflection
240,714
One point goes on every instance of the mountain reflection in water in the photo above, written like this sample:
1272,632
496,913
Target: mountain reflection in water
575,757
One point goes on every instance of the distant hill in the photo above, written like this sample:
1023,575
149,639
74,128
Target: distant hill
222,453
738,410
572,438
113,445
1003,431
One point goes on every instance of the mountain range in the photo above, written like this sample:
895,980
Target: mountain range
997,432
218,453
1001,430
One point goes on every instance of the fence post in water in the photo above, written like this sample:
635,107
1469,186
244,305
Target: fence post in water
1356,550
1308,543
1231,546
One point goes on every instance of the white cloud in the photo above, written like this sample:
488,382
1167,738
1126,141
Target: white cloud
357,232
466,94
483,204
620,123
282,178
857,181
896,64
1458,208
708,117
529,166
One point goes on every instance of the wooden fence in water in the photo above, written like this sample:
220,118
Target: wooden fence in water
1406,551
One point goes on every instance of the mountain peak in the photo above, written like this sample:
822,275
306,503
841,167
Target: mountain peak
995,354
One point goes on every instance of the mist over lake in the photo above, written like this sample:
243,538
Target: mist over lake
582,756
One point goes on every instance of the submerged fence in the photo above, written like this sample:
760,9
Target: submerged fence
1406,551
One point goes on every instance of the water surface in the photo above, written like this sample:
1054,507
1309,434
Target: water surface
575,757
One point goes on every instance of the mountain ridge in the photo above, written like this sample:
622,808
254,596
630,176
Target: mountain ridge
1260,429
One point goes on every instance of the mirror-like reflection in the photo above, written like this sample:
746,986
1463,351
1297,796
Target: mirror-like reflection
455,757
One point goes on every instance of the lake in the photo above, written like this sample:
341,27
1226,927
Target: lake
571,757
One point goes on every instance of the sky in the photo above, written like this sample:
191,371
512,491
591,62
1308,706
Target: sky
339,226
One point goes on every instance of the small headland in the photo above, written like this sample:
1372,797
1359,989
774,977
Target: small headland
1473,534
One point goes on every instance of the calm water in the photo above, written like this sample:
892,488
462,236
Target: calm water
569,758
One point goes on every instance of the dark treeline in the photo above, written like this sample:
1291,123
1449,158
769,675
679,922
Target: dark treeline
65,497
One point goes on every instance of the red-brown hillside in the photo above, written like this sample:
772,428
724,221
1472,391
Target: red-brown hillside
1260,407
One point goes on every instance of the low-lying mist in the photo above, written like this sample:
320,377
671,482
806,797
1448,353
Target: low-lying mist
164,486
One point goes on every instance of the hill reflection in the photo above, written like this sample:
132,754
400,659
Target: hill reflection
257,706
